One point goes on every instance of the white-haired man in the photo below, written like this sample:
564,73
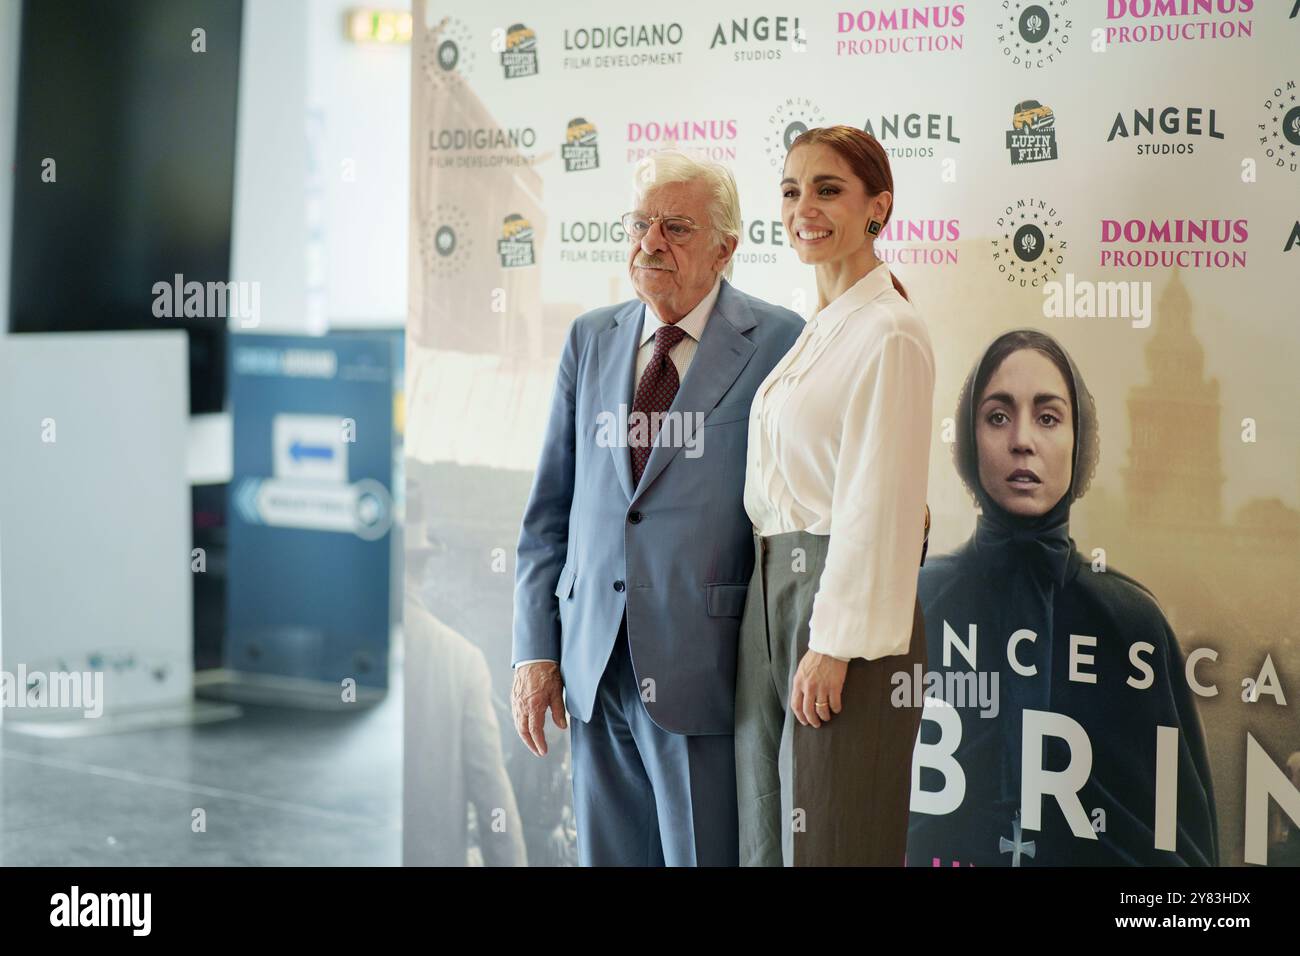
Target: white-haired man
635,552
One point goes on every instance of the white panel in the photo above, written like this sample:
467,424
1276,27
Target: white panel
95,513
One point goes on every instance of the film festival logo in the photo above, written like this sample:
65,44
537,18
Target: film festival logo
1031,247
445,243
519,58
1033,35
790,120
446,55
1280,131
579,150
516,243
1171,122
1032,137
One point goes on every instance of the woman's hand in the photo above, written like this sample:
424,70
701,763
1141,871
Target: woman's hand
815,694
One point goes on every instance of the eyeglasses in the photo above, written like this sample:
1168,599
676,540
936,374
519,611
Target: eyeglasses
676,229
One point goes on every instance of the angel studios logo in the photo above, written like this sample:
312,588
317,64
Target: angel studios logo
1030,246
579,148
519,58
516,243
446,54
1279,130
444,240
790,120
1034,35
913,135
1032,137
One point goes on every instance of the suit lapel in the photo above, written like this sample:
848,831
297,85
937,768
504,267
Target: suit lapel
616,358
723,352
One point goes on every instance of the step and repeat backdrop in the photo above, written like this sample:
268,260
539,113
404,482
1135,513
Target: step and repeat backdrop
1123,175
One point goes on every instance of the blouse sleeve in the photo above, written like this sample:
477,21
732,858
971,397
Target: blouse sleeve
864,605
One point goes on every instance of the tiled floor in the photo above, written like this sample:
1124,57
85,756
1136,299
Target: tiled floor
278,786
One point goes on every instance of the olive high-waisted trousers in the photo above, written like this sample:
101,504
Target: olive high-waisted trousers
836,795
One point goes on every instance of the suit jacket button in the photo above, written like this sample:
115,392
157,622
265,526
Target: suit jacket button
618,585
634,517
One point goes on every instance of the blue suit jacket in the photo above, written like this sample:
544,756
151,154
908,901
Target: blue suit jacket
676,551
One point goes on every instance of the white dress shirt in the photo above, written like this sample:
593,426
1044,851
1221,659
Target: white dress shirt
839,445
692,323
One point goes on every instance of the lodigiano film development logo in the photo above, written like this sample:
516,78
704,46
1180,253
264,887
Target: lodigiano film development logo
516,243
579,149
1034,35
1030,247
446,54
1032,137
790,120
519,58
445,242
1279,132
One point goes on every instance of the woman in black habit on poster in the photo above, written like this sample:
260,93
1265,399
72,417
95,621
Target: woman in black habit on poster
1026,447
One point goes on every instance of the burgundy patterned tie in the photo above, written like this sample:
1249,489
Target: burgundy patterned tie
655,393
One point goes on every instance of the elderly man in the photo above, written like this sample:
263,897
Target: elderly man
635,551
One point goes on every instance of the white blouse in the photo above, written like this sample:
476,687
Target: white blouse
839,445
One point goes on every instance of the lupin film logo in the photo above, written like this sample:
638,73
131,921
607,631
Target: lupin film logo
1032,137
790,120
1034,35
1030,247
516,243
445,242
447,55
579,149
519,58
1279,133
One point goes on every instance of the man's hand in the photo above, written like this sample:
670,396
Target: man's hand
537,687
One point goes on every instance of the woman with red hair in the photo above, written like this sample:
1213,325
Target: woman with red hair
839,448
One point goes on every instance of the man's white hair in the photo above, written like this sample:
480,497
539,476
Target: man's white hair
671,166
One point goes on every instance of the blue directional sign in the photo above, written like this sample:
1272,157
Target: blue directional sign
311,506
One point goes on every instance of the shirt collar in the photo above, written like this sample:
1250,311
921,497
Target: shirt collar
872,285
692,323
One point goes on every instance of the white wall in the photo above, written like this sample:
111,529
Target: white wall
321,170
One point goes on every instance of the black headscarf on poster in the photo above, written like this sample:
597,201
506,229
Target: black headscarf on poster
1024,572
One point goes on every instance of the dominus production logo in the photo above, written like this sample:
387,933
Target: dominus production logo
579,149
519,58
1279,130
445,242
786,123
1032,137
516,243
1033,35
446,54
1030,245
